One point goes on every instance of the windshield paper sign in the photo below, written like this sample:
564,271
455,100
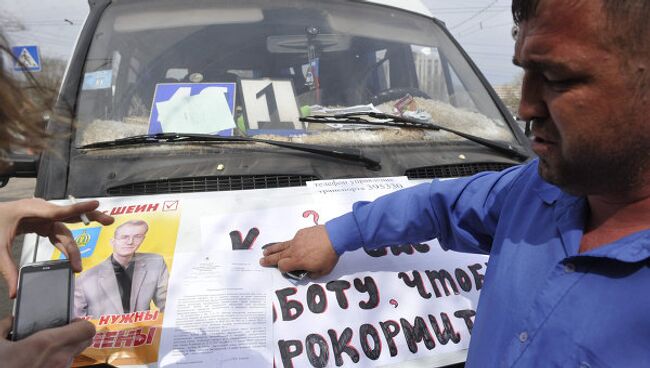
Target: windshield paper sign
198,108
199,296
100,79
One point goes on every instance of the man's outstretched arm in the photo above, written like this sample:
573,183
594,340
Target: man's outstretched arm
461,213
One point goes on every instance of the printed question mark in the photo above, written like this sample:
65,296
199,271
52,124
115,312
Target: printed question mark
311,213
393,302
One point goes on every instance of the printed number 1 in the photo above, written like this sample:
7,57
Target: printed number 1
274,114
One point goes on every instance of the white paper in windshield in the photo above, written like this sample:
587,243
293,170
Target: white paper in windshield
201,108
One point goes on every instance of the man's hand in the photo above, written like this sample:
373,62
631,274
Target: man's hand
309,250
45,219
53,347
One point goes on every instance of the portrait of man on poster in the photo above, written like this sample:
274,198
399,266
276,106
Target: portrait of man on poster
127,281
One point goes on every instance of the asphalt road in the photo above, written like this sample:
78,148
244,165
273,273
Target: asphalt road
16,189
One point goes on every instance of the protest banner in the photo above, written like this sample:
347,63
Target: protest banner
379,307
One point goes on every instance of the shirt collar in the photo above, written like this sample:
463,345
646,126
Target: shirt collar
630,249
570,214
570,217
117,264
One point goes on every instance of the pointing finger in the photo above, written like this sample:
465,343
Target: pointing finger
272,259
275,248
100,217
38,208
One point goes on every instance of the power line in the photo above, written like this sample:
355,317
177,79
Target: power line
481,11
467,8
485,44
465,11
469,31
65,22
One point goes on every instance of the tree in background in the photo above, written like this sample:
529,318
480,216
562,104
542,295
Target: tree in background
48,81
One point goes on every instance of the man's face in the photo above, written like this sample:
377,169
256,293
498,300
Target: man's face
589,115
127,240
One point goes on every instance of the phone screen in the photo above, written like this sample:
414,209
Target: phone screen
43,300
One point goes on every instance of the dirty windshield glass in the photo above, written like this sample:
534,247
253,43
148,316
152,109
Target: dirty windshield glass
254,68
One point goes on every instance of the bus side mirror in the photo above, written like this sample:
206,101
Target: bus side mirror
21,165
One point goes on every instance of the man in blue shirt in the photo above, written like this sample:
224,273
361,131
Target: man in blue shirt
569,233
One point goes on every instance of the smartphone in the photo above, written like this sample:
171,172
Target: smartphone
44,298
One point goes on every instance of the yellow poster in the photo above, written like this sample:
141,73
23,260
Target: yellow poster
123,286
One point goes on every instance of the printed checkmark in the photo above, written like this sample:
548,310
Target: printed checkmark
170,205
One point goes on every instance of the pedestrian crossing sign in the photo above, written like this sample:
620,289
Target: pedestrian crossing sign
26,58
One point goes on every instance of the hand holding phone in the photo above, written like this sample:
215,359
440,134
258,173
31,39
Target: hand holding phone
45,297
52,348
45,219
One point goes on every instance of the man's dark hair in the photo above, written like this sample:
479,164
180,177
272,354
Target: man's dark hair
627,22
523,10
623,11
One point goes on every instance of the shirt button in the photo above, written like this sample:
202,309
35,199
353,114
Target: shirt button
523,336
584,365
569,267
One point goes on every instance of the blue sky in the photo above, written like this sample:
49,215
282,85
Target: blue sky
481,26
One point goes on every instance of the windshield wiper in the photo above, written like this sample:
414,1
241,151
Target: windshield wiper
404,122
348,154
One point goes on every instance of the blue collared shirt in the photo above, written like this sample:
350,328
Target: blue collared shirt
543,303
